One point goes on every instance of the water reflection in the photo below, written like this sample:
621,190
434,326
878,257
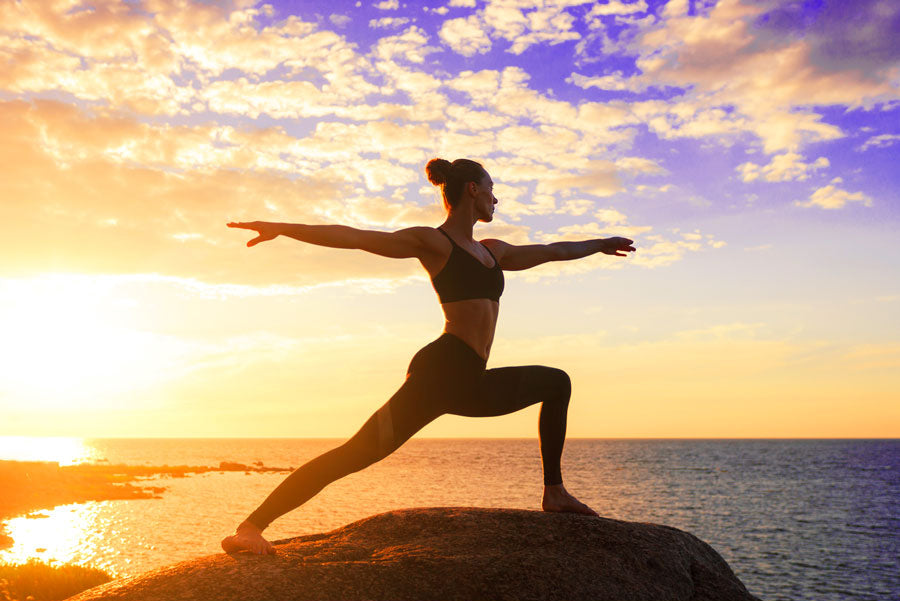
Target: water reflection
65,534
64,450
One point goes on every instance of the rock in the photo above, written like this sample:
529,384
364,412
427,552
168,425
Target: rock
455,553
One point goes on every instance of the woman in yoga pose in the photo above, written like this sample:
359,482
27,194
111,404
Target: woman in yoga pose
447,375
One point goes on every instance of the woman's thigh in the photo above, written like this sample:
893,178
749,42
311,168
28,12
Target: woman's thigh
409,410
505,390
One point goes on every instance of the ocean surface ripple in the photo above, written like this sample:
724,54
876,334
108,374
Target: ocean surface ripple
796,519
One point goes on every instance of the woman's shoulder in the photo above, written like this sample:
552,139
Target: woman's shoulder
423,233
496,246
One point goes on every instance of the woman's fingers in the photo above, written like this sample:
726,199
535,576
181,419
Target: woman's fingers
240,224
253,225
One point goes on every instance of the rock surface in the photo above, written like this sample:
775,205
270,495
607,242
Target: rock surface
455,553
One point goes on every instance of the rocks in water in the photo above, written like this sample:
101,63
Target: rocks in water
455,553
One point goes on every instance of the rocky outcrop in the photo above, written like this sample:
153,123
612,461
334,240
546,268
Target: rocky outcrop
26,486
455,553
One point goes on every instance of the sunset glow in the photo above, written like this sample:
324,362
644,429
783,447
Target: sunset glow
63,533
749,149
62,450
74,345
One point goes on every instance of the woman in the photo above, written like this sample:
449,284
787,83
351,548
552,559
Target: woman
447,375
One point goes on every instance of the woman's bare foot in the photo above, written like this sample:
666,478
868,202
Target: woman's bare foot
557,498
247,537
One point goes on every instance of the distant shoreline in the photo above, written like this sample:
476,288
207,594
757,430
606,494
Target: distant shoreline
31,486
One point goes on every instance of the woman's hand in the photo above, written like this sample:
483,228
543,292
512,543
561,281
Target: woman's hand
618,246
266,230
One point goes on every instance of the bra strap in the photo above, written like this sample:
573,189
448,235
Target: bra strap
496,262
448,236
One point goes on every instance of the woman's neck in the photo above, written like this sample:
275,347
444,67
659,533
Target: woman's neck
460,223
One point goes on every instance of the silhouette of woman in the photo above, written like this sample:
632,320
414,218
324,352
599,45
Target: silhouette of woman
448,375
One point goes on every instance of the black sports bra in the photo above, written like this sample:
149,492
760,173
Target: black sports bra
464,277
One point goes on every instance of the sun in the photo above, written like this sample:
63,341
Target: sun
71,341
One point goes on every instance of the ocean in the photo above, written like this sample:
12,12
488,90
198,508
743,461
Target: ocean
795,519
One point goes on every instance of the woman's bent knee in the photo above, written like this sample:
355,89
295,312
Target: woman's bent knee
548,384
562,384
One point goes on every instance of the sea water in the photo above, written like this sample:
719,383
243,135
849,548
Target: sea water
795,519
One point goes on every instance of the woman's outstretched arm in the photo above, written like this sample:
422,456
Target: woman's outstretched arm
402,244
516,258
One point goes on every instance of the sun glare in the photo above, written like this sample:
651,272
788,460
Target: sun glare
63,534
63,450
70,341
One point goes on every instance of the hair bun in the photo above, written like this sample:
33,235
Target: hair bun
438,170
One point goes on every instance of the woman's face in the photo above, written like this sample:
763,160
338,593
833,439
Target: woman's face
484,199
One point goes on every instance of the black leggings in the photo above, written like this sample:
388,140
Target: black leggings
445,376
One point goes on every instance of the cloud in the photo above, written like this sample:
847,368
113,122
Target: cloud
614,7
387,22
784,167
879,141
466,119
542,23
832,197
654,250
749,66
388,5
481,86
661,251
509,203
154,63
598,178
614,82
411,45
600,126
340,20
466,36
859,38
640,165
610,216
522,24
545,143
94,212
296,119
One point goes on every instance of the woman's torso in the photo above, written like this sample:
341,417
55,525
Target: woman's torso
473,320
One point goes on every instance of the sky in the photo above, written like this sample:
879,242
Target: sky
749,149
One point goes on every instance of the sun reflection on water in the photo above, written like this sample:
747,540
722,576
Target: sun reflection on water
65,451
65,534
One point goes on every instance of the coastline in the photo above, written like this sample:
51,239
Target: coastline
31,486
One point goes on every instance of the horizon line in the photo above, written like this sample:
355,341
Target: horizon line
570,438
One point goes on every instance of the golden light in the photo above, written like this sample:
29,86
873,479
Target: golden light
63,450
70,341
65,534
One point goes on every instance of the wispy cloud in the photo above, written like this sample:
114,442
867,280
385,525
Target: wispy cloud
834,197
788,166
879,141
